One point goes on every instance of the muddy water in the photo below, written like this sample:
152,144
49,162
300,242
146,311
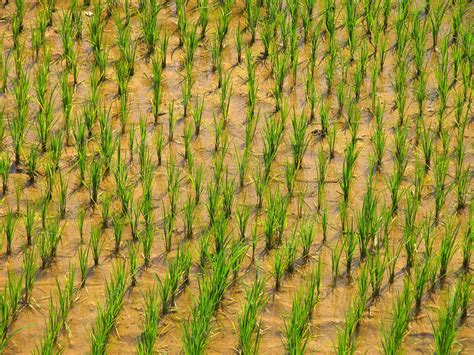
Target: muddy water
29,326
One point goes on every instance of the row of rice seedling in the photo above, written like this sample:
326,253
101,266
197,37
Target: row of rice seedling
9,306
58,313
160,299
212,287
297,327
250,317
346,336
107,314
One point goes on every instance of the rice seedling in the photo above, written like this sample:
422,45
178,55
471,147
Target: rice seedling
18,123
345,341
9,225
2,125
290,250
203,19
249,322
447,247
392,256
445,329
212,288
336,253
168,225
440,171
242,164
437,11
297,327
177,274
260,181
188,216
242,215
49,241
58,313
106,139
5,172
324,223
171,121
349,243
150,321
463,289
96,243
461,186
157,83
306,236
350,157
4,67
63,195
467,242
278,268
107,314
392,337
332,141
95,179
148,24
182,22
272,135
83,254
159,144
419,284
29,269
118,224
299,141
400,88
394,183
146,238
322,164
377,265
56,149
290,177
275,219
409,231
29,220
196,113
225,96
219,131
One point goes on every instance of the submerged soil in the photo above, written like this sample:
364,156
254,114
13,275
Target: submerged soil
29,326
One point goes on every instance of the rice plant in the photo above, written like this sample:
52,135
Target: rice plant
29,269
9,225
297,327
447,247
440,171
212,288
420,281
5,165
248,320
278,268
96,243
95,179
437,11
299,141
393,335
151,320
445,329
18,123
107,314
